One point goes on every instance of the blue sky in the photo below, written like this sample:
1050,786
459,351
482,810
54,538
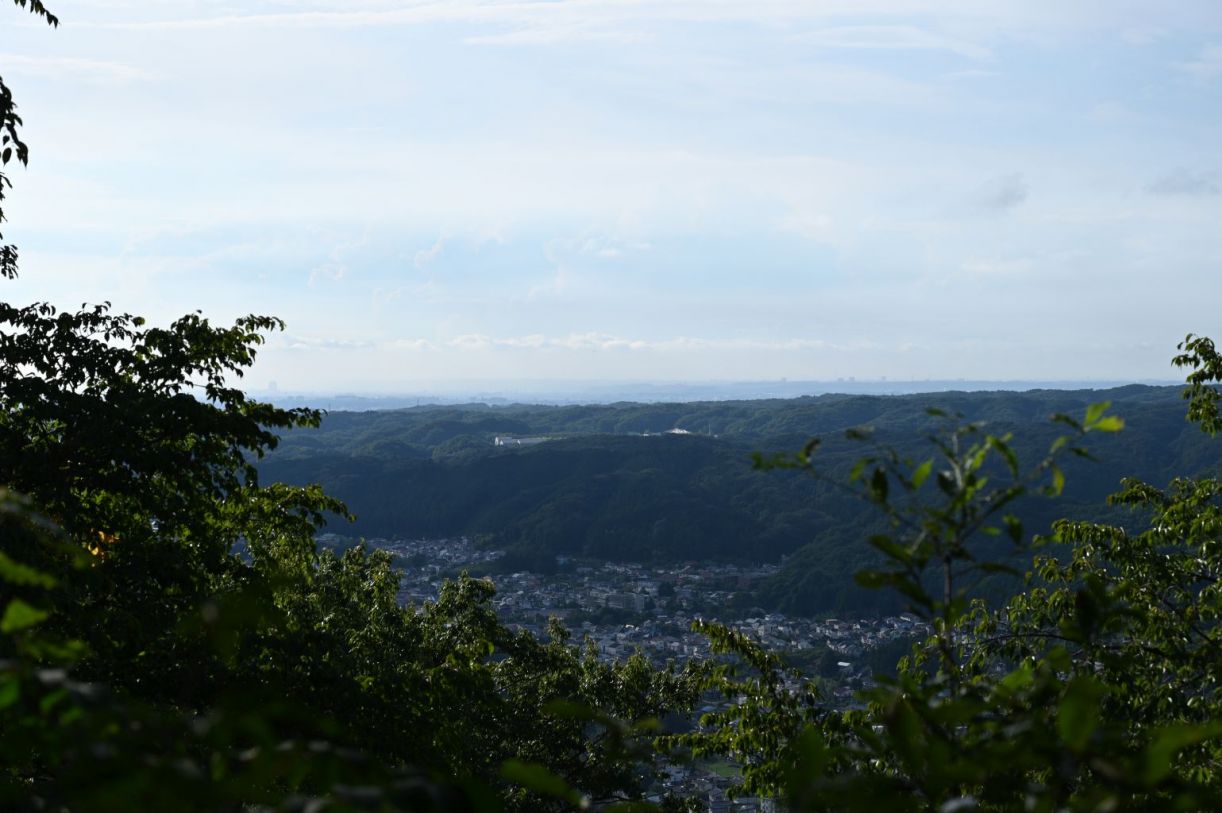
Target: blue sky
634,189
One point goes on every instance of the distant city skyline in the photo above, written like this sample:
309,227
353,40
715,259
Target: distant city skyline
661,190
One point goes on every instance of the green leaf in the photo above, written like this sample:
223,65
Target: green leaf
1068,421
1058,481
922,473
539,779
19,615
569,709
1169,741
10,691
907,734
812,754
891,548
1059,659
1087,612
1020,679
1078,713
1094,412
1111,423
16,573
1014,527
976,457
1011,459
878,485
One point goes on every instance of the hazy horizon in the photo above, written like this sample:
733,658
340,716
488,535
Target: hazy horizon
573,392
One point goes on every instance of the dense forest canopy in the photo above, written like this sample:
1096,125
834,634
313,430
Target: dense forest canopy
610,483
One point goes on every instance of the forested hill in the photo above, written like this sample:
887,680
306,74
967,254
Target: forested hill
609,482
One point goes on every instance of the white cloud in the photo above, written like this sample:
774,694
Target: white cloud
993,267
1206,65
556,34
891,38
318,343
333,272
972,73
93,71
811,224
674,153
1187,182
1003,192
582,17
426,256
412,345
470,341
607,342
534,341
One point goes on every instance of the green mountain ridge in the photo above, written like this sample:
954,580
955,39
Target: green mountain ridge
601,489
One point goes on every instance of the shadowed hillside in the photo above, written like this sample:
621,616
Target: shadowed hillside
610,482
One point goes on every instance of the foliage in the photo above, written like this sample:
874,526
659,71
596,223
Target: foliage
1201,357
77,745
172,638
280,677
1096,688
11,145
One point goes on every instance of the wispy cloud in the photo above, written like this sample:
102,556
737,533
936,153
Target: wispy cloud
331,271
318,343
1206,65
607,342
1003,192
93,71
412,345
712,187
995,267
425,256
336,267
1188,182
540,34
471,341
891,38
549,21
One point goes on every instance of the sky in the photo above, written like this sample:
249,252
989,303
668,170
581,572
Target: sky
647,190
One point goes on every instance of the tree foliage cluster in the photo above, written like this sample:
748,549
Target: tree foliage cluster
171,637
1095,688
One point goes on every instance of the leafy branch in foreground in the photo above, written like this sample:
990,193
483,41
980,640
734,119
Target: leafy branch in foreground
11,145
1096,688
1200,356
940,547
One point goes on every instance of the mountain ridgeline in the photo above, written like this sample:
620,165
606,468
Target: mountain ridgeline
614,482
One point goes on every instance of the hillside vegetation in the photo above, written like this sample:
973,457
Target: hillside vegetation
601,488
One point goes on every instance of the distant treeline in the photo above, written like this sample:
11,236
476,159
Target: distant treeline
610,485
